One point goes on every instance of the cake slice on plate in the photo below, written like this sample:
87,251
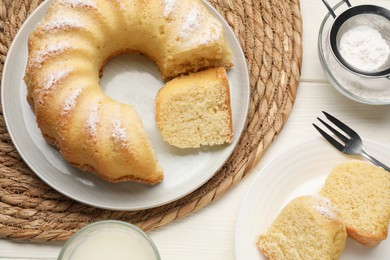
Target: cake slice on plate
361,191
308,227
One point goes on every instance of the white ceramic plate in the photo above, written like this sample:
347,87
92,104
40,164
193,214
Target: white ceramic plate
129,79
301,170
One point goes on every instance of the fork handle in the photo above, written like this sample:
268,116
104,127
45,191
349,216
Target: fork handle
374,161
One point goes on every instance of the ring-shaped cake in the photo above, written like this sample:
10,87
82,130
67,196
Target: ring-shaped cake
67,52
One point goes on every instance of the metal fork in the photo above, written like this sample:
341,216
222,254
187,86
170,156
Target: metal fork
352,143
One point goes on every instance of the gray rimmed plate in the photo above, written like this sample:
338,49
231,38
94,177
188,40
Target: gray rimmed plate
185,170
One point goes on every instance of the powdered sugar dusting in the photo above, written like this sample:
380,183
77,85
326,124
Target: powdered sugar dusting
327,209
70,102
213,34
89,3
168,7
364,48
119,132
56,77
191,22
323,200
40,55
62,22
324,211
93,120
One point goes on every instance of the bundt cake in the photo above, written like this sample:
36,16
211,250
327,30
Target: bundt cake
69,48
361,191
308,227
194,109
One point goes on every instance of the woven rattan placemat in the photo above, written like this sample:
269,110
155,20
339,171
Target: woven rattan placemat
270,33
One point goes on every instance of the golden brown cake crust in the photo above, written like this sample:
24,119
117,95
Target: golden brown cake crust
361,191
67,52
308,227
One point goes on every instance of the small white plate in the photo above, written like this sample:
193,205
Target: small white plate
129,79
299,171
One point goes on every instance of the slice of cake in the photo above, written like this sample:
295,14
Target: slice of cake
307,228
194,110
361,191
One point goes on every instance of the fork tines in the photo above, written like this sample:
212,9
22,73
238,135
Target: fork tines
352,143
340,124
347,130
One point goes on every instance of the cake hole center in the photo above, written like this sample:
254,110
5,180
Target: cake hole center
134,80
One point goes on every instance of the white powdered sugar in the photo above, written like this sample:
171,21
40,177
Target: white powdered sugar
53,78
58,46
324,211
168,7
62,22
364,48
93,120
191,22
212,35
88,3
323,199
369,89
50,49
70,102
119,132
50,81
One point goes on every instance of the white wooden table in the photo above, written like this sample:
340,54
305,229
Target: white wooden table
191,237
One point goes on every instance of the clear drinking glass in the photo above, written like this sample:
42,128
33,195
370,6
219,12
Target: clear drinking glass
109,239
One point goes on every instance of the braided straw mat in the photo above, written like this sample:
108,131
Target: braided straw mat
270,33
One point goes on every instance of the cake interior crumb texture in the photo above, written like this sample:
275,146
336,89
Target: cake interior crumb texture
307,228
194,110
361,191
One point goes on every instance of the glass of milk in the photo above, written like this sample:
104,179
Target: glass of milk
109,239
